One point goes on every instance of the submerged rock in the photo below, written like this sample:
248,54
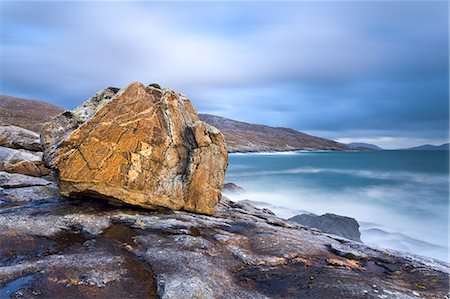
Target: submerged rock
330,223
142,146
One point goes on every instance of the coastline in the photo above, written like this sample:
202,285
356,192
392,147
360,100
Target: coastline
365,186
365,229
275,152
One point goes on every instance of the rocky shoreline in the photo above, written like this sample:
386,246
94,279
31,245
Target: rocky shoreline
95,245
54,247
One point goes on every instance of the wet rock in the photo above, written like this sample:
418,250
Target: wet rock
330,223
76,248
75,261
183,287
22,162
98,274
142,146
50,225
19,138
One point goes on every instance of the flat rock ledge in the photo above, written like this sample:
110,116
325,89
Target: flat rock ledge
55,247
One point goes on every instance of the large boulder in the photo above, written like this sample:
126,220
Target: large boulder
141,145
330,223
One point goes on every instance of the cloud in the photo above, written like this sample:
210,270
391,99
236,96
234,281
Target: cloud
334,67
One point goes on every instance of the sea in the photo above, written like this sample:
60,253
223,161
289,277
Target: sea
399,198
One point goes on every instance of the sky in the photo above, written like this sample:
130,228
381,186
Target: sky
367,71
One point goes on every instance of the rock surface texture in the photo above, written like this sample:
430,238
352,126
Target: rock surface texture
21,152
19,138
330,223
55,247
22,161
140,145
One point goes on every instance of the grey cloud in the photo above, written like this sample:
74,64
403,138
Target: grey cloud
310,65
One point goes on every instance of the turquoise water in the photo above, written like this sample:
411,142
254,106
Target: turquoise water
400,198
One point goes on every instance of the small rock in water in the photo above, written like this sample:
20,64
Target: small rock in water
330,223
232,188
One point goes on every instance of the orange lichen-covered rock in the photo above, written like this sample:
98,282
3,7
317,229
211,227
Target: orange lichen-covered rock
141,145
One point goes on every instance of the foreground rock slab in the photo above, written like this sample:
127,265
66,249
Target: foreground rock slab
141,145
55,247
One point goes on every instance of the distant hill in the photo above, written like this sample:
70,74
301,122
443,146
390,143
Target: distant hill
362,145
430,147
245,137
28,114
240,136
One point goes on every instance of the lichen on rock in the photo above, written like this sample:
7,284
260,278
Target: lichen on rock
141,145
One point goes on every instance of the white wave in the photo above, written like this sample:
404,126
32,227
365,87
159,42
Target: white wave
378,208
402,242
